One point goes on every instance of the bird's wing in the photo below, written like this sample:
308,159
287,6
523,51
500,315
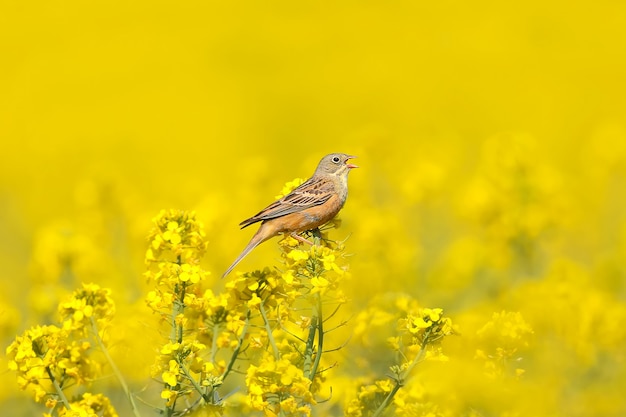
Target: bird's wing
311,193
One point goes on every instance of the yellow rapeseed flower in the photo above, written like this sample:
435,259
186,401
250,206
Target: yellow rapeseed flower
170,376
298,255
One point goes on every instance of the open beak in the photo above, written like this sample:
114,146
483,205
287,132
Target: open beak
351,166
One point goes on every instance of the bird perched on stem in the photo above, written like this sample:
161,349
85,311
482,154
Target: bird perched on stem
310,205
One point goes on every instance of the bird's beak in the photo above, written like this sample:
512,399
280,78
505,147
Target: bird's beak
351,166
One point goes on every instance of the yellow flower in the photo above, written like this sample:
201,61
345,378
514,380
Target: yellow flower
47,353
177,234
502,339
320,285
254,301
170,377
288,277
419,324
88,301
169,395
208,367
329,262
288,375
298,255
394,343
434,314
171,234
289,187
169,348
90,405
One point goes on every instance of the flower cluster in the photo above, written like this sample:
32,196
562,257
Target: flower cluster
182,368
86,304
89,405
425,327
419,336
279,386
45,357
176,246
284,379
50,361
260,320
177,237
501,340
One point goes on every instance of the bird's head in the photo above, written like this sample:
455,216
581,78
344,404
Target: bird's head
335,164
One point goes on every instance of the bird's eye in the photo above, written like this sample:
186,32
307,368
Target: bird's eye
335,159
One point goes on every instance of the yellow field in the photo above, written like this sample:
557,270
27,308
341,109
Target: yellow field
491,140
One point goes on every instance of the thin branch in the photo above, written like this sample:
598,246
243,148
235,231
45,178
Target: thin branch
195,384
320,337
401,379
326,399
293,334
268,329
114,367
58,389
387,400
340,346
237,350
343,323
321,371
308,351
330,316
214,342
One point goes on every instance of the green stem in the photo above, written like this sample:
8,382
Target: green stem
387,400
195,384
216,328
238,348
400,381
58,389
308,351
178,307
270,336
169,411
420,355
320,337
114,367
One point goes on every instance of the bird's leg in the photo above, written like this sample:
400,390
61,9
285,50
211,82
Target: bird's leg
301,239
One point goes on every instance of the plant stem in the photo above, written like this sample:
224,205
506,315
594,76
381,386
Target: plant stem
387,400
195,384
400,381
308,351
320,337
216,328
58,389
178,307
270,336
420,355
114,367
176,335
238,348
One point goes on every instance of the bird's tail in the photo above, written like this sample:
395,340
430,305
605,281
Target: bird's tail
257,239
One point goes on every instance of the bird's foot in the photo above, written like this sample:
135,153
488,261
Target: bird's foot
301,239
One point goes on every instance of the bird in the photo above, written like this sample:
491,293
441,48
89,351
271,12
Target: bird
312,204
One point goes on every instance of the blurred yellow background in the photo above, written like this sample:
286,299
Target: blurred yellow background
491,138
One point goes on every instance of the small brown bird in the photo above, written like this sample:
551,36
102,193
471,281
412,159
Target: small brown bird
313,203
